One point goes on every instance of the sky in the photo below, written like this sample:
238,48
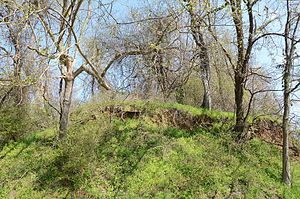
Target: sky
262,56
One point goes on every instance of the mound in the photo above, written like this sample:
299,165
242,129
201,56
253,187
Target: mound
144,150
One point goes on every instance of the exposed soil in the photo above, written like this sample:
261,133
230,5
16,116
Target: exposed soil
271,132
267,130
264,129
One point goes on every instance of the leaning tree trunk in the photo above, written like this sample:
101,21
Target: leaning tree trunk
68,78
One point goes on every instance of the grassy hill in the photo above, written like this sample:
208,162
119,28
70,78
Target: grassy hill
144,150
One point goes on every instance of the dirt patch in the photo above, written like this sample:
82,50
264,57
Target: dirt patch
184,120
119,111
266,130
172,117
271,132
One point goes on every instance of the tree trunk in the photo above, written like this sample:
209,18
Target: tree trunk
206,103
18,93
287,78
286,171
240,122
67,96
204,68
205,71
202,55
65,109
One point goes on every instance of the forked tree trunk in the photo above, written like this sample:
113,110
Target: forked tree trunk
65,109
202,54
67,96
240,70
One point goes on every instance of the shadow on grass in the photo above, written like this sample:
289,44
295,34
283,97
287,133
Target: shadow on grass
54,176
50,175
25,142
131,146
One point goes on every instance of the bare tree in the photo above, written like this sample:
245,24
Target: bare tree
59,21
13,33
202,49
290,41
161,63
247,33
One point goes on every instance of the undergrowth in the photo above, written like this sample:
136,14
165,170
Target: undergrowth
138,158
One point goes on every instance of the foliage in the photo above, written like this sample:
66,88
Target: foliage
13,123
17,121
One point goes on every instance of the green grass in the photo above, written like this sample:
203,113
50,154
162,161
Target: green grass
138,158
157,106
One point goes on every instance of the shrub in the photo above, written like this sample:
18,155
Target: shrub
13,123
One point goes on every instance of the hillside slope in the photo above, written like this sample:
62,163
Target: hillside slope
144,150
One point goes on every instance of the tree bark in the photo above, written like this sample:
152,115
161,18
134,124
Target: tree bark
205,68
240,122
205,72
65,109
286,171
290,31
241,68
67,96
18,59
205,77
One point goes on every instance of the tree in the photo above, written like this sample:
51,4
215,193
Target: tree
59,21
162,62
202,50
243,56
290,42
18,72
247,32
13,48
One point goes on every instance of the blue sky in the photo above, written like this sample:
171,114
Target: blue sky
262,56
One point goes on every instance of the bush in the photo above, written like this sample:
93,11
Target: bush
18,121
13,124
